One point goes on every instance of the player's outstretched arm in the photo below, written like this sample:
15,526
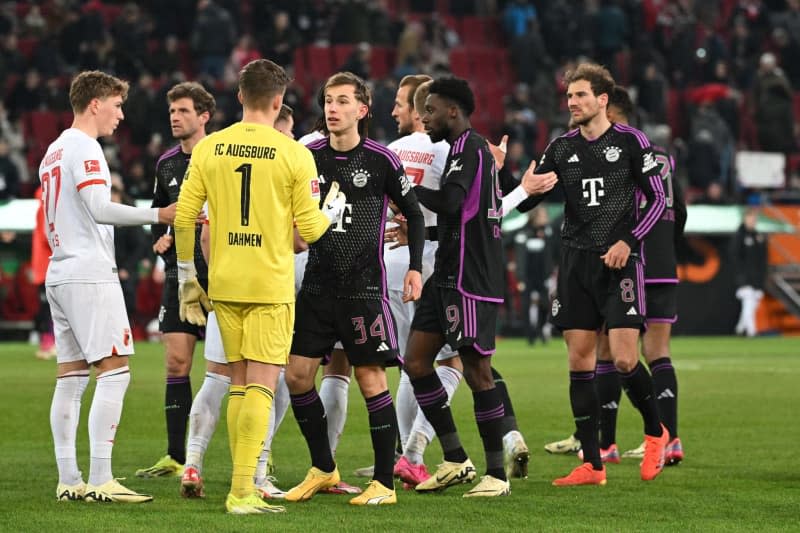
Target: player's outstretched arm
310,221
104,211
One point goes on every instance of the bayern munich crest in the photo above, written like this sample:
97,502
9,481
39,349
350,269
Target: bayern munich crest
360,177
612,154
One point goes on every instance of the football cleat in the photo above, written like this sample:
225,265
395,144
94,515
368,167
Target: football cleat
607,455
488,487
448,474
342,488
568,445
376,494
192,483
409,472
267,489
367,471
66,493
674,452
113,492
585,474
164,467
314,481
515,455
654,453
636,453
251,504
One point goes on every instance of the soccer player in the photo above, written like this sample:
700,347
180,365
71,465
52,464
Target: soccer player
606,170
258,184
285,121
90,321
343,295
190,109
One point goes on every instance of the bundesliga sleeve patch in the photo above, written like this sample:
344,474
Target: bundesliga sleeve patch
314,188
91,166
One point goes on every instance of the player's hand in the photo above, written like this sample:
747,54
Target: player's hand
412,286
191,296
163,244
538,183
397,235
617,256
166,215
333,205
499,152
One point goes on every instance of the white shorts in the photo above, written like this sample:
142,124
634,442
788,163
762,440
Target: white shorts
300,260
397,260
403,313
90,322
214,351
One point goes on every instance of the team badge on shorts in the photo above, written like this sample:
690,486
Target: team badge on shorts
556,307
161,312
126,336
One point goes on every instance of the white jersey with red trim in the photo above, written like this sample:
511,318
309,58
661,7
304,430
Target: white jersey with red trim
83,250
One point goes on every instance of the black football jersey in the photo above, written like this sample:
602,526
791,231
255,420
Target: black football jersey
170,171
602,179
658,249
347,261
470,253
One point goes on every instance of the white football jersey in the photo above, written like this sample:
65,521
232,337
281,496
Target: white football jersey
424,163
309,138
83,251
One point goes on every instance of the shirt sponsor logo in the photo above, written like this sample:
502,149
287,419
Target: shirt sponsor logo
612,154
592,189
91,166
405,185
454,167
649,162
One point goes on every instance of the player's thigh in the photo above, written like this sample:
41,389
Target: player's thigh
267,333
314,326
213,351
179,348
625,299
470,322
655,341
230,319
66,344
337,364
367,331
575,304
94,315
371,380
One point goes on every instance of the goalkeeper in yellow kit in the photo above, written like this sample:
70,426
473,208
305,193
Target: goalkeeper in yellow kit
258,184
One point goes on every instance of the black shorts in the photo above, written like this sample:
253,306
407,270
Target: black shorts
589,294
169,316
464,321
366,329
662,302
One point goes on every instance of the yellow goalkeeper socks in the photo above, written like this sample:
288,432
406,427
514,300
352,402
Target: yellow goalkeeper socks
252,427
235,401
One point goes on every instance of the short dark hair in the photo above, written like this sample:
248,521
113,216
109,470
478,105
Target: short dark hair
94,84
413,81
620,99
200,97
261,80
457,91
597,75
285,113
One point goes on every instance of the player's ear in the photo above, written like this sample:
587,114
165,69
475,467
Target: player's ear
277,102
603,99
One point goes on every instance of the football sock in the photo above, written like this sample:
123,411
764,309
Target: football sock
104,418
204,416
509,419
177,405
333,391
383,430
665,384
65,412
252,426
609,392
310,415
407,407
638,386
280,403
432,399
583,398
488,407
235,400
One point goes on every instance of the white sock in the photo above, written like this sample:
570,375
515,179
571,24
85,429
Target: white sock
333,392
407,407
422,432
280,403
104,418
65,412
204,416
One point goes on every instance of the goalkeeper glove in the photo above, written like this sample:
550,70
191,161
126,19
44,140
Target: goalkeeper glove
333,205
191,295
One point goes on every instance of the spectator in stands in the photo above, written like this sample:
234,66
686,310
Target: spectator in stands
710,142
772,98
351,24
749,253
40,259
244,52
140,109
166,61
27,95
743,50
652,97
410,42
520,119
280,39
11,133
529,54
517,17
9,175
714,194
130,30
358,61
613,30
213,37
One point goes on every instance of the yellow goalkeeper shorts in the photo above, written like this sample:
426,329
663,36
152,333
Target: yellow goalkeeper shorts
256,332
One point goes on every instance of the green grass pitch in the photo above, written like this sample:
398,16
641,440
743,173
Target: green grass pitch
737,419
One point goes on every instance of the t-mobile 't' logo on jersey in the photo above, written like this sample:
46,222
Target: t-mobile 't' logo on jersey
592,189
346,219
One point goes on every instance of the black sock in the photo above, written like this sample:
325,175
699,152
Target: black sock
177,405
432,399
488,406
665,384
609,391
509,419
383,430
310,415
638,386
583,397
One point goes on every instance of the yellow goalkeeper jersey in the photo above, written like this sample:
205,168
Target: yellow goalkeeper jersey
258,184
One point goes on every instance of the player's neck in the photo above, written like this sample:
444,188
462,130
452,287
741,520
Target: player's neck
596,127
458,131
258,116
86,125
345,141
187,145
